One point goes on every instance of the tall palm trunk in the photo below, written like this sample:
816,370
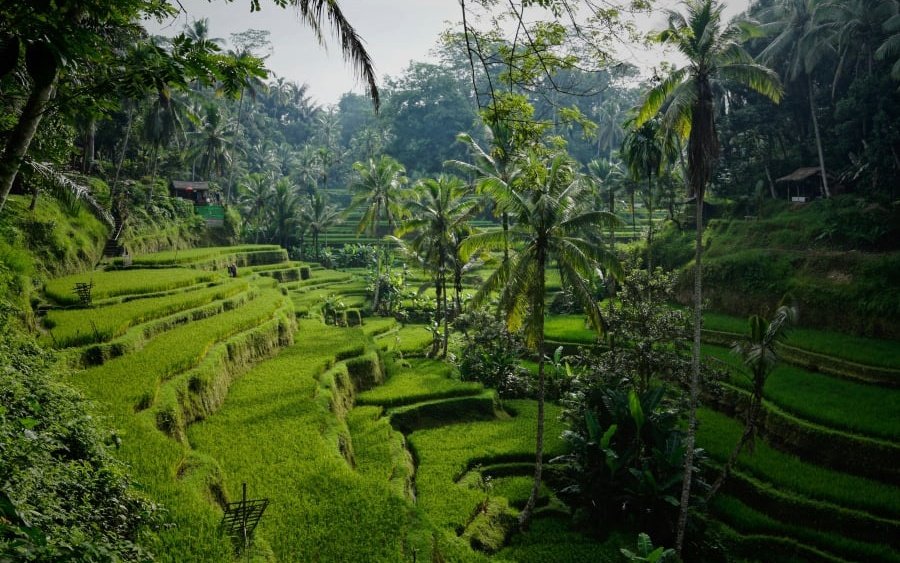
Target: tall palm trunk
124,149
90,138
20,137
650,221
525,516
237,130
749,431
815,122
446,313
505,222
695,378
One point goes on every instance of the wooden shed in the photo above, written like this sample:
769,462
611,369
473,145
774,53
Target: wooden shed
803,184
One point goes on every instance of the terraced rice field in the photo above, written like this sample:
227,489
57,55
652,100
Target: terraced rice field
368,451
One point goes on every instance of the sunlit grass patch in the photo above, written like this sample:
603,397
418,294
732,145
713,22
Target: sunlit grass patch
569,328
838,403
718,434
127,282
444,454
192,255
379,451
424,380
411,339
74,327
269,434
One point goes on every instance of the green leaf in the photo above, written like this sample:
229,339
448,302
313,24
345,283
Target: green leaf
637,412
28,423
607,436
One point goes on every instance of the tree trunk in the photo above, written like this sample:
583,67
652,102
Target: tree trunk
815,122
633,221
20,137
505,222
124,149
695,379
237,130
525,515
446,314
87,157
650,222
749,431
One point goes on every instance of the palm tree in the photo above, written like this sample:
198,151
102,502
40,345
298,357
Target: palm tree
495,171
606,174
379,189
257,195
890,48
284,211
163,123
548,227
211,145
858,27
686,101
642,151
760,356
439,211
318,217
802,39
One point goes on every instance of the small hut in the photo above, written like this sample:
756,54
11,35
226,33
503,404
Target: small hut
207,204
196,192
803,184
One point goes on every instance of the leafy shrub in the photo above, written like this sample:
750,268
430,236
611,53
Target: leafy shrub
62,496
627,460
491,354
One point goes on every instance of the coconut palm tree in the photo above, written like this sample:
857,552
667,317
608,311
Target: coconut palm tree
801,39
548,227
760,356
211,144
257,193
379,190
494,170
890,48
440,209
284,211
642,151
686,101
318,217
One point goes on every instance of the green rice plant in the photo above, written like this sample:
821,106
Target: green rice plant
857,349
129,282
379,451
424,380
75,327
717,434
410,340
269,434
376,326
551,538
124,387
192,255
444,454
748,521
834,402
569,328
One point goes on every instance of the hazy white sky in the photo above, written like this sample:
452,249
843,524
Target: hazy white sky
395,31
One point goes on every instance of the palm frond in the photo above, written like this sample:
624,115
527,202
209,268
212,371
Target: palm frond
315,12
658,95
67,189
756,77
